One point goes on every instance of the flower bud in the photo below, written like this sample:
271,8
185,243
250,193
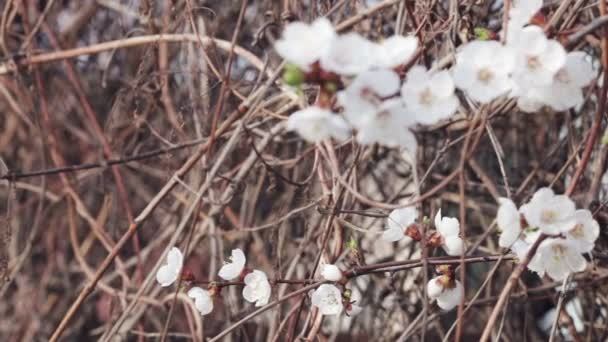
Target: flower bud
482,33
293,76
414,232
435,239
445,270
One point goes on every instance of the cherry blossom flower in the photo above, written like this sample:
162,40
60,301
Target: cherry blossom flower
364,95
430,96
448,292
395,50
509,222
349,54
586,230
202,300
537,59
257,288
389,126
328,299
331,272
303,44
559,257
552,214
566,90
483,70
449,229
169,273
315,124
233,269
397,222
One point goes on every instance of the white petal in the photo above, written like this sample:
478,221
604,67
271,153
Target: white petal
233,269
166,275
257,288
316,124
585,231
554,57
402,218
453,245
328,299
520,248
392,234
396,50
202,300
443,84
508,220
331,272
304,44
579,68
450,298
434,287
349,54
438,219
449,226
175,258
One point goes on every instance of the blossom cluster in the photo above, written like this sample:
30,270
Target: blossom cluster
570,232
402,225
328,298
380,97
256,290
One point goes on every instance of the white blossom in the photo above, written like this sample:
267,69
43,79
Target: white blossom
331,272
559,257
395,50
202,300
566,90
328,299
389,126
364,95
257,288
349,54
233,269
509,222
169,273
449,228
537,59
430,96
316,124
448,297
552,214
303,44
586,230
397,222
483,70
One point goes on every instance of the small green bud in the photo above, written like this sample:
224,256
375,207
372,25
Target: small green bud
348,294
352,243
426,220
482,33
293,75
331,87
